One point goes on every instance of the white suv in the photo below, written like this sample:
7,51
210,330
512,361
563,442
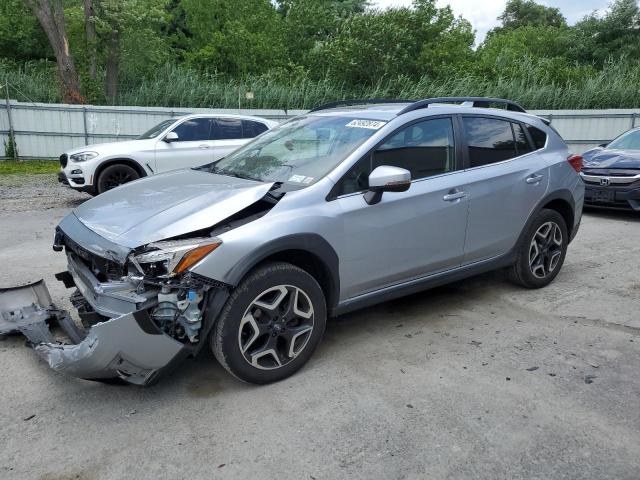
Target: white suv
182,142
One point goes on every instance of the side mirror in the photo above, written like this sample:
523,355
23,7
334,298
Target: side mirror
386,179
603,145
170,137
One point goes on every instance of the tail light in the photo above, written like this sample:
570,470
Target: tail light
576,162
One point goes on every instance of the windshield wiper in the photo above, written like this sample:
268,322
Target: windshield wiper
229,173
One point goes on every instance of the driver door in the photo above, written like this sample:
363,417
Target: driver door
409,234
193,147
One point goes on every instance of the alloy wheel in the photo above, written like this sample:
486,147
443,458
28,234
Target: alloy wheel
117,178
276,327
545,249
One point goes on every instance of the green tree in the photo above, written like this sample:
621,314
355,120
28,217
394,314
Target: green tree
21,37
416,41
117,40
309,23
615,34
520,13
50,15
234,37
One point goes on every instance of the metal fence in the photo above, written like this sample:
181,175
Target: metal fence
44,130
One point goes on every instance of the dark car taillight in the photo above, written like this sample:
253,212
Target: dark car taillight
576,162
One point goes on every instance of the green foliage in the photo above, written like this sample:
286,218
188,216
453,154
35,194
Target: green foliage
233,36
522,13
417,41
10,147
298,53
21,37
615,34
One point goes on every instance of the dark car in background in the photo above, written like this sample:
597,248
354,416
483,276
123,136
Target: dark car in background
611,173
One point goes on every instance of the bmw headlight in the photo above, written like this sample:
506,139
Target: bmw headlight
172,257
83,156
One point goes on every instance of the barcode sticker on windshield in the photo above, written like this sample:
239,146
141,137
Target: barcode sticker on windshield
370,124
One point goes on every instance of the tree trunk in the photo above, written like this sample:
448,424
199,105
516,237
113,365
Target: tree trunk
50,15
113,66
90,36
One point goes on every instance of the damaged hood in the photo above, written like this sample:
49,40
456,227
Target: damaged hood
167,205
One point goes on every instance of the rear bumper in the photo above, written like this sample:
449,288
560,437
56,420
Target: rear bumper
613,197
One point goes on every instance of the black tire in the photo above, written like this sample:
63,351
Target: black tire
278,329
533,270
115,175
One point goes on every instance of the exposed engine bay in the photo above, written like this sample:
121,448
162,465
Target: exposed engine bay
141,309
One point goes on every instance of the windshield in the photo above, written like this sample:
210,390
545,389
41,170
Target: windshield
157,130
298,152
627,141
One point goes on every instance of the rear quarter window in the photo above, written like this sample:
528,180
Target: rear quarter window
252,129
538,137
227,129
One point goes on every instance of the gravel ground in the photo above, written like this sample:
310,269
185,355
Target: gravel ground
479,379
22,193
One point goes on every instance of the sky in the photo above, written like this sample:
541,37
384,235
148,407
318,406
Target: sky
484,18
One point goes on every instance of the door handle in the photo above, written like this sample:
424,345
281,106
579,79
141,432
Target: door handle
452,196
203,146
534,179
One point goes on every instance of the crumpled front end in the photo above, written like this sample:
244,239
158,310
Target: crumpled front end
137,320
130,347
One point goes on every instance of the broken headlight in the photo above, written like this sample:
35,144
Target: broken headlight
172,257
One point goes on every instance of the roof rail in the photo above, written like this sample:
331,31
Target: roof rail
361,101
475,102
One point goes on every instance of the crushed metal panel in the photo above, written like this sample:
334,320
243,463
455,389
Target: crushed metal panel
130,347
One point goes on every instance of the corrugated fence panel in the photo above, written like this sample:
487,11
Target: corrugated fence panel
585,129
46,130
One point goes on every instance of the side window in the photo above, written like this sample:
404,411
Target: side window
489,140
252,129
425,148
522,143
538,136
227,129
193,130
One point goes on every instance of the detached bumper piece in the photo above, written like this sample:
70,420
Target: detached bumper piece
29,310
129,347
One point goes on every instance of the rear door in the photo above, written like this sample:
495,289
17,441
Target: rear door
505,179
193,147
408,234
231,133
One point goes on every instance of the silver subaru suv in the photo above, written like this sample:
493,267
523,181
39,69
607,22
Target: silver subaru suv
352,204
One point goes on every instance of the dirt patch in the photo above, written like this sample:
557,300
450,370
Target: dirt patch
23,193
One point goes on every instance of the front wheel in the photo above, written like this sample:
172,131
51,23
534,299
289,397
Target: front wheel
271,324
542,250
116,175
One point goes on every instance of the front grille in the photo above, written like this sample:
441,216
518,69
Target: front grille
103,268
63,160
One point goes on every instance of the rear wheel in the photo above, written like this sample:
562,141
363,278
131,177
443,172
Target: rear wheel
271,324
115,175
541,251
